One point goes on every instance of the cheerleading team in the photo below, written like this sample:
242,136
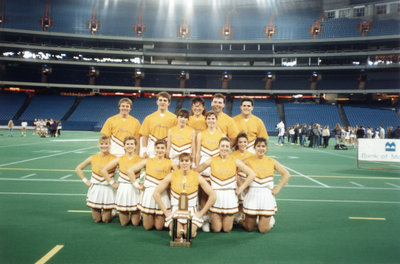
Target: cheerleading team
211,175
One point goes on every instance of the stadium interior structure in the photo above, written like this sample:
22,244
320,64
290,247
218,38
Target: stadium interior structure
303,61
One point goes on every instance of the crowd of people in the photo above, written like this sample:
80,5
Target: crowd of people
47,127
315,135
218,161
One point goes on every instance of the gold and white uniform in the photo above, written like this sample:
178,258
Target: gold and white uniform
101,194
198,124
259,199
128,197
181,141
155,126
118,129
253,126
209,147
223,181
156,170
191,183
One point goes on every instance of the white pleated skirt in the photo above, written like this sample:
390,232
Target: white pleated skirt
101,197
226,203
127,198
259,201
149,206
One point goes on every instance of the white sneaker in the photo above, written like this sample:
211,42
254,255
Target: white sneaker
272,221
206,227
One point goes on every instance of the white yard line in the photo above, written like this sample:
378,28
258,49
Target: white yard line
29,175
357,184
394,185
43,157
66,176
307,177
286,200
339,201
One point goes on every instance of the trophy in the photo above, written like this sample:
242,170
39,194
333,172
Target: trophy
182,213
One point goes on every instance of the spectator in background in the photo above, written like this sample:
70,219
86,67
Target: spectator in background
389,132
360,133
337,131
53,128
381,132
303,134
291,135
369,132
24,125
281,133
59,127
296,134
396,133
326,135
10,128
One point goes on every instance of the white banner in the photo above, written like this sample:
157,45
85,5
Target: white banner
386,150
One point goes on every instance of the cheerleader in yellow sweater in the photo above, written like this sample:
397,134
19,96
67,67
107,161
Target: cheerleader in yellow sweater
157,169
184,179
127,197
100,196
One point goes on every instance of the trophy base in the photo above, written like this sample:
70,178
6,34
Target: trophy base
182,244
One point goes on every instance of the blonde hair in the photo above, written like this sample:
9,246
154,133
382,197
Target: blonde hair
125,100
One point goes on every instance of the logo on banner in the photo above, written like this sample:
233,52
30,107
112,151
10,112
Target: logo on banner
390,146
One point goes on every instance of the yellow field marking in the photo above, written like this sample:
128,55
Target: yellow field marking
367,218
79,211
49,255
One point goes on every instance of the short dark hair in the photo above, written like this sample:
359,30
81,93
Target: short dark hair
219,95
165,95
260,140
246,99
183,113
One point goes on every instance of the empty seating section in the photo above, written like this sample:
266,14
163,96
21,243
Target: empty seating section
363,116
264,109
338,81
311,113
93,111
163,19
384,27
340,28
48,106
9,105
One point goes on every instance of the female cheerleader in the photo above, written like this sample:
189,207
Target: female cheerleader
127,197
207,145
223,181
181,138
156,169
260,198
100,196
184,180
